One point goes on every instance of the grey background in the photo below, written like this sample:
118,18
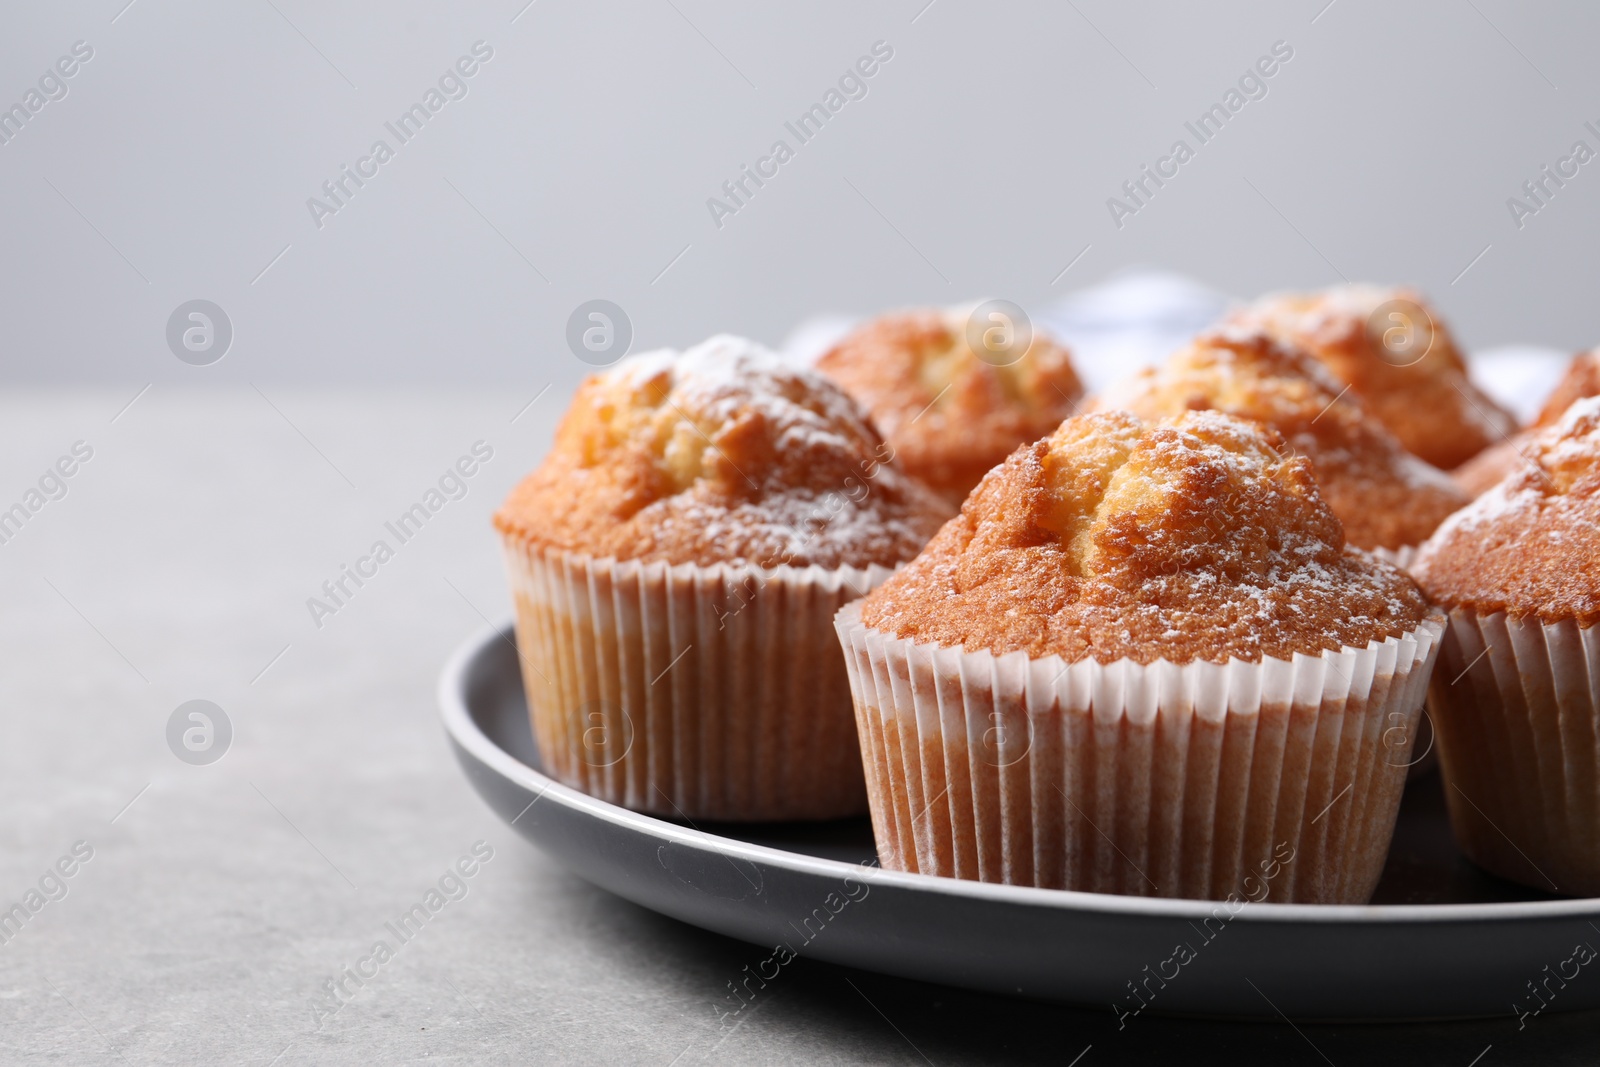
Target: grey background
378,349
984,153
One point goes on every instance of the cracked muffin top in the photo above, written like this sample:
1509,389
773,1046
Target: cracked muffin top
1582,379
1189,538
1386,497
1404,366
949,414
1530,545
723,454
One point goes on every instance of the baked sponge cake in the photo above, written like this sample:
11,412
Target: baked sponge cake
1516,705
1582,379
948,412
1386,497
676,561
1142,660
1396,354
725,454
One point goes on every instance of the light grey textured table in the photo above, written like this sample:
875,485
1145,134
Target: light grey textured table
221,899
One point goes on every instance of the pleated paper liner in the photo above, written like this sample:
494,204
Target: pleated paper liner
1516,704
1277,779
1426,758
713,692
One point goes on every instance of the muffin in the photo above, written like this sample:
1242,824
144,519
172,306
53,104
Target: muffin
676,561
1482,472
1582,379
949,413
1517,696
1142,660
1488,467
1396,354
1387,498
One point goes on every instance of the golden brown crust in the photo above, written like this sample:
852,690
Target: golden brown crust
724,454
1386,497
1581,379
1430,404
1488,468
949,415
1193,538
1530,545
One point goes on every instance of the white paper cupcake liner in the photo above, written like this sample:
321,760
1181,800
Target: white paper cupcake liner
1516,705
697,692
1427,758
1154,780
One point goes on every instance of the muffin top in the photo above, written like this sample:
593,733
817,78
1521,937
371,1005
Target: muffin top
1407,369
1385,496
949,415
1482,472
1190,538
1530,546
1581,379
724,454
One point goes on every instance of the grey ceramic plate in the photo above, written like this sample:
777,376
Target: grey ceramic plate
1442,939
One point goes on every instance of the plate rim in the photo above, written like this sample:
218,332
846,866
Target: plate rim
464,731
